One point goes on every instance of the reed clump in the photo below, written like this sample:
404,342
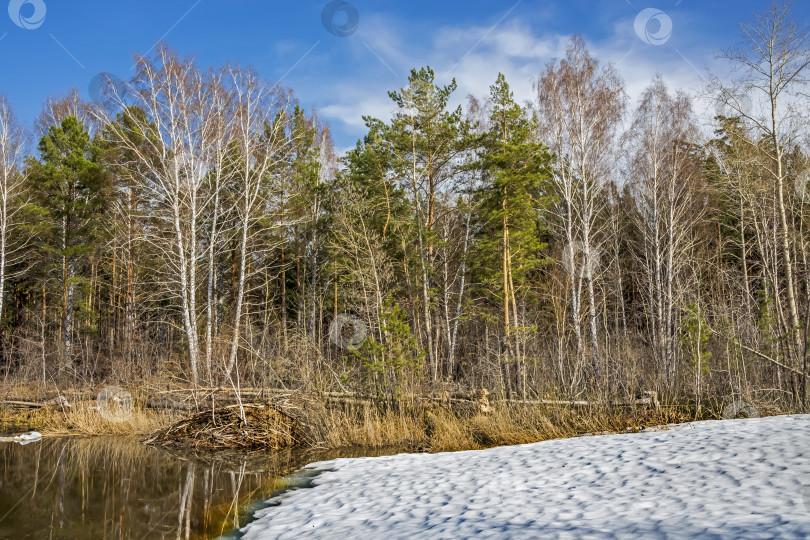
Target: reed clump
448,428
316,421
80,412
84,420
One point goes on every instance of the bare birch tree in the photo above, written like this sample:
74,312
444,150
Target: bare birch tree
772,68
259,146
579,109
180,128
663,175
57,109
12,185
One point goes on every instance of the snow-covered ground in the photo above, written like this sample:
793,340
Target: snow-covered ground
746,478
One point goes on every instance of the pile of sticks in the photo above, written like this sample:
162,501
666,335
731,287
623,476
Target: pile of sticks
262,426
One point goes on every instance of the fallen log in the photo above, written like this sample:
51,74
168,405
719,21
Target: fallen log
651,400
180,399
58,401
168,404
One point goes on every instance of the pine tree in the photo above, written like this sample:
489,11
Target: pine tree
516,168
427,142
70,194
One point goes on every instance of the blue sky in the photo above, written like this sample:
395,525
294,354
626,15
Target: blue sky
345,77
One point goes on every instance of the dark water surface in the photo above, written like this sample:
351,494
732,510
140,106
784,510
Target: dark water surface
100,488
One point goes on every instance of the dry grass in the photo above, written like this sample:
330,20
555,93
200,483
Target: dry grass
437,429
369,426
84,419
430,428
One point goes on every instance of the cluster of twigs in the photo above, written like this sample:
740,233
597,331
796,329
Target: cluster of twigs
264,425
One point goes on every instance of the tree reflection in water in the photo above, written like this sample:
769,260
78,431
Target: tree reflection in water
118,488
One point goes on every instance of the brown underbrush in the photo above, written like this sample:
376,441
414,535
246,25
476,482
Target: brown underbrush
312,422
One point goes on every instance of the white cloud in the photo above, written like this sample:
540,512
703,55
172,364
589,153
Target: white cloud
351,113
517,48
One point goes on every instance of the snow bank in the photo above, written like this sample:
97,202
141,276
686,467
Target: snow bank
24,438
747,478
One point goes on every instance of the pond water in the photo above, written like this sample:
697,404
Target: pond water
103,488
